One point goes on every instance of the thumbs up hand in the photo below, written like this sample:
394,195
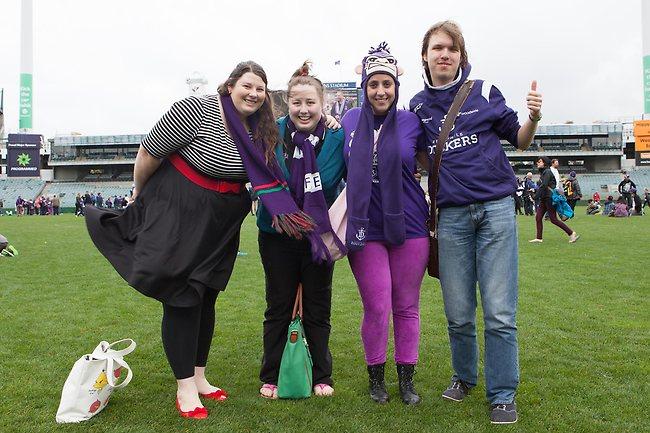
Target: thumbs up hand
534,102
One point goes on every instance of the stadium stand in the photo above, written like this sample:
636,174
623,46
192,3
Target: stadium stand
608,183
11,188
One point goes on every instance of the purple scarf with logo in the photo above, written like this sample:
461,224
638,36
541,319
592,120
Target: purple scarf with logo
267,179
307,190
359,181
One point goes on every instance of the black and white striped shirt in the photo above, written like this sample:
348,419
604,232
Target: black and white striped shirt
194,128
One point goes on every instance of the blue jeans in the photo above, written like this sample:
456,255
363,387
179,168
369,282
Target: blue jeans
478,243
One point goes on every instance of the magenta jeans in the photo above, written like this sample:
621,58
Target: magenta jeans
389,279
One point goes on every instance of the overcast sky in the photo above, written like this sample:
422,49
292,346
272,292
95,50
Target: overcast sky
103,67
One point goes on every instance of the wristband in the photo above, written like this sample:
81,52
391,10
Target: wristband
537,119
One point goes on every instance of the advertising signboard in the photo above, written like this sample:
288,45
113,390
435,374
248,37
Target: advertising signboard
23,155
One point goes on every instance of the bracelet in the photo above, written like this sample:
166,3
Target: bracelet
537,119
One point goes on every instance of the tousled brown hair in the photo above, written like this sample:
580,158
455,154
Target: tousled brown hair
267,130
453,30
303,76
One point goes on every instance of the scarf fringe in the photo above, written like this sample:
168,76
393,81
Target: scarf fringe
296,224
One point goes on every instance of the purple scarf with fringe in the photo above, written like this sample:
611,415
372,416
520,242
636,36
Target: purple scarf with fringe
359,182
267,179
306,188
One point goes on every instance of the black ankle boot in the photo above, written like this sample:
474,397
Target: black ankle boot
407,391
377,385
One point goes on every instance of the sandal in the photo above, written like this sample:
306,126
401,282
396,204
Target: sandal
323,390
269,391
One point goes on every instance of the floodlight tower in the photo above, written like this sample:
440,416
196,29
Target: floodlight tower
645,29
197,84
26,67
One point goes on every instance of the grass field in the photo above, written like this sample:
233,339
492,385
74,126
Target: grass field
584,322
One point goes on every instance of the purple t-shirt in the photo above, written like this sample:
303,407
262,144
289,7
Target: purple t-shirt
416,210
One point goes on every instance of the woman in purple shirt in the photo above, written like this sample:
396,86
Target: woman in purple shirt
387,234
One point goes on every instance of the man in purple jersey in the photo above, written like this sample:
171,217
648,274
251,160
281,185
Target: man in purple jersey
477,230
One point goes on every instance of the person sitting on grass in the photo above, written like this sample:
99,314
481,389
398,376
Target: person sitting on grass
608,206
593,207
620,210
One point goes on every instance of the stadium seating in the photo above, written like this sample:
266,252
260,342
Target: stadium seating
11,188
606,146
608,183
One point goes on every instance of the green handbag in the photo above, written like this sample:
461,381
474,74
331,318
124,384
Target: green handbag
295,379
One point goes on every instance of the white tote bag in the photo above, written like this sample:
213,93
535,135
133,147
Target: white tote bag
92,380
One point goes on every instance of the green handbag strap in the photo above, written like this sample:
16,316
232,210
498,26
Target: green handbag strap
297,306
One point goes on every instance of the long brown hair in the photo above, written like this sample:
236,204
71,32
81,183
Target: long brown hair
267,130
453,30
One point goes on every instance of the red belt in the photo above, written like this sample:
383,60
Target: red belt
223,186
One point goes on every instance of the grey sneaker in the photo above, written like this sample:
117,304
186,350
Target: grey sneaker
457,391
503,413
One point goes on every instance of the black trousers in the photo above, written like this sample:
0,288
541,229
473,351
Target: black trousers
287,262
518,205
187,335
529,206
628,199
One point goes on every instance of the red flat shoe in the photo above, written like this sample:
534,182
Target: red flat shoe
197,413
219,395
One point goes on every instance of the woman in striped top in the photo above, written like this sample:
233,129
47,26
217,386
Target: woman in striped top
178,240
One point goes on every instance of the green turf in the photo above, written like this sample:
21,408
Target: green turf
583,332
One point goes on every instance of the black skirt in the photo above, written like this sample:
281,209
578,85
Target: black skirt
176,240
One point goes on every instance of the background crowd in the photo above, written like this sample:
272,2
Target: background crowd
51,205
629,202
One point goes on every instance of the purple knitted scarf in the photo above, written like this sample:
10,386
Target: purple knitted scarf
307,190
359,181
267,179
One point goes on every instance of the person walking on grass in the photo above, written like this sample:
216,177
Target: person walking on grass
544,195
477,228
